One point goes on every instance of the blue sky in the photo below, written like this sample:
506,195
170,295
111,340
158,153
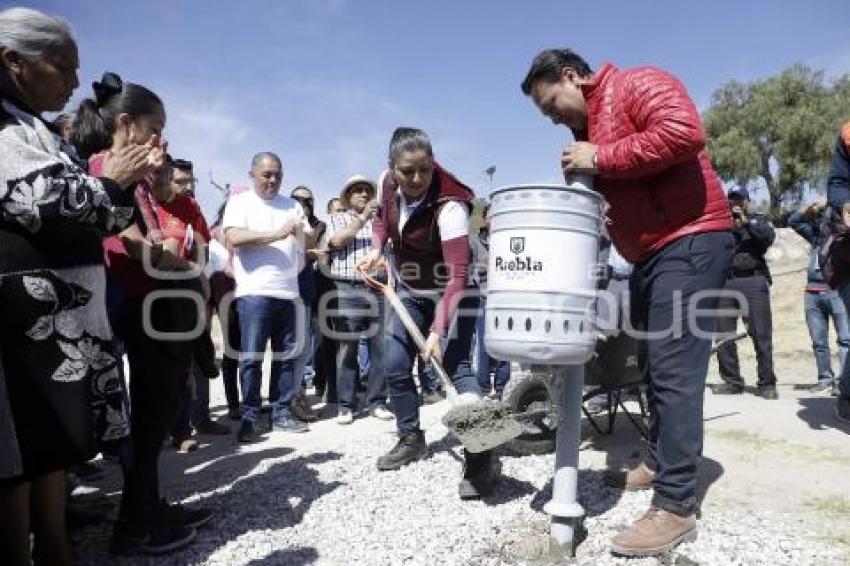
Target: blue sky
324,82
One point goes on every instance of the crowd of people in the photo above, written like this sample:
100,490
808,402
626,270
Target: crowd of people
105,254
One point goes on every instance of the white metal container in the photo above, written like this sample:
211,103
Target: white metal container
542,273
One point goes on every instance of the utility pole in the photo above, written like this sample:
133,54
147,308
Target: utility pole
223,189
490,171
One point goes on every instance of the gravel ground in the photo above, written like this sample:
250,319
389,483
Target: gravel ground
329,505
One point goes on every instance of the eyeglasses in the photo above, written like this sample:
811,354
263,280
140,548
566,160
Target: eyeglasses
185,182
183,164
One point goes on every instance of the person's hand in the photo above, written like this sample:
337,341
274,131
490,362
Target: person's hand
371,261
302,226
157,149
369,211
172,245
288,229
579,158
127,165
433,348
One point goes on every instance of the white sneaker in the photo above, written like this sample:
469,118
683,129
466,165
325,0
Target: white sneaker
345,417
382,413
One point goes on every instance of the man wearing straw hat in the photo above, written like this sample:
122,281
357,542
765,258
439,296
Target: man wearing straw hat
358,309
638,132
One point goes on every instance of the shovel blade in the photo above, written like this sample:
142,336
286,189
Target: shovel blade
483,425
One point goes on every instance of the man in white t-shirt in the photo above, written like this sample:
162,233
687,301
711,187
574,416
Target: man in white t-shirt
268,232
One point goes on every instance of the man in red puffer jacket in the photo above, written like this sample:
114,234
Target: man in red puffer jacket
640,135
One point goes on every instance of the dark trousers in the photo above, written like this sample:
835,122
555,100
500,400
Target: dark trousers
400,351
353,302
221,291
673,355
157,380
230,356
324,360
759,324
194,402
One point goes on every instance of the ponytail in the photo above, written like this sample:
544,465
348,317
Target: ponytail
90,133
94,126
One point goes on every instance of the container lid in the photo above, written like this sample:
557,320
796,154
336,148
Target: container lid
564,188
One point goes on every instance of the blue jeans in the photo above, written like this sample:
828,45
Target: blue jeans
304,359
844,378
485,364
819,308
428,382
353,324
400,351
363,356
262,319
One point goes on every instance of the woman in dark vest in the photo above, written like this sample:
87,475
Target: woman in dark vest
425,213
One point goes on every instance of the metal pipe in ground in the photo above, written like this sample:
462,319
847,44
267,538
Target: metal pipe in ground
567,514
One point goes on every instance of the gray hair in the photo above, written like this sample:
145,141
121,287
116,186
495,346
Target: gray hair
262,156
409,139
32,34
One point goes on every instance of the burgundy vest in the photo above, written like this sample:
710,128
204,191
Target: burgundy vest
418,248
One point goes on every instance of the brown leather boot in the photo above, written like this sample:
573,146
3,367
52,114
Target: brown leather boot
655,533
635,479
302,410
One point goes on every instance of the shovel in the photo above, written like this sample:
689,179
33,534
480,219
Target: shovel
480,425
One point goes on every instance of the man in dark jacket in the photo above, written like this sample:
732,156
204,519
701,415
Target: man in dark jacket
639,133
821,301
838,197
749,276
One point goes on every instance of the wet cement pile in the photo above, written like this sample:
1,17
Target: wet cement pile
483,425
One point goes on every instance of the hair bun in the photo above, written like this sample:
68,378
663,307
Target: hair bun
110,84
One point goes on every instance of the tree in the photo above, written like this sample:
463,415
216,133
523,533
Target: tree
781,130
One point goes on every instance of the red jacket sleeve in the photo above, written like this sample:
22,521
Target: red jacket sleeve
456,256
669,127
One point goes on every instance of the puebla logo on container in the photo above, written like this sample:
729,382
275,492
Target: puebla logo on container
518,264
517,245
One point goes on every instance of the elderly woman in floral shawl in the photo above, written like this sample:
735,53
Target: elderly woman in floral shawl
55,366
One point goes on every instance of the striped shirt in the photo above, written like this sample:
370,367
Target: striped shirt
344,259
